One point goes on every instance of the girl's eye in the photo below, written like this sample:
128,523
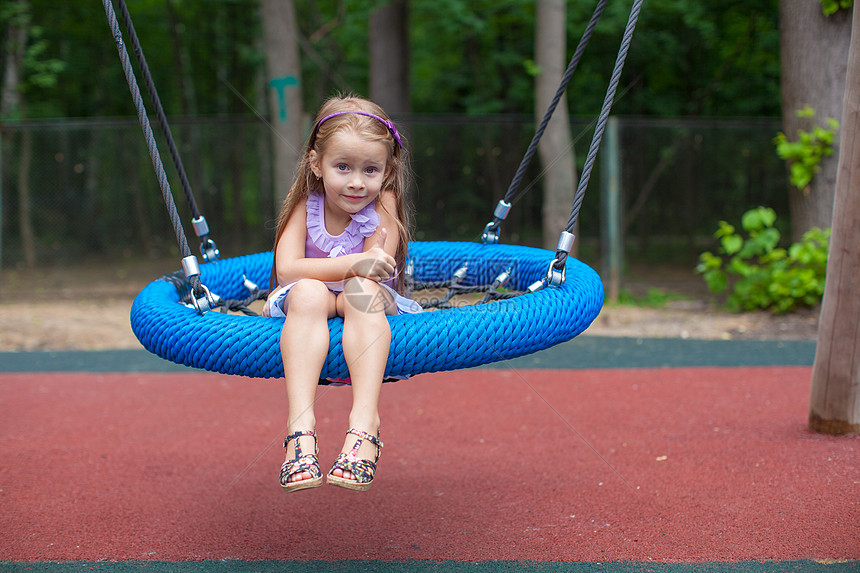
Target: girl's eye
371,170
342,167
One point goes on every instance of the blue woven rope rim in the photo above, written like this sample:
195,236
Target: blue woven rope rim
434,341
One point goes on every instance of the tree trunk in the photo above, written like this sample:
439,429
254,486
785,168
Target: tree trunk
389,57
264,152
835,398
285,95
25,210
556,148
16,43
813,52
12,104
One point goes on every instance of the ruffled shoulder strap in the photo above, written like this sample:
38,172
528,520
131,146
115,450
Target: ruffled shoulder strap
315,222
362,225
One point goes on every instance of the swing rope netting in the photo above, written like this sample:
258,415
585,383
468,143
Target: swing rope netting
536,303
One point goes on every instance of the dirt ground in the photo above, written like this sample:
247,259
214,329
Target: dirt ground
87,308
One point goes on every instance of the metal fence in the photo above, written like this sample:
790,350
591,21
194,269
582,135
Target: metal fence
85,189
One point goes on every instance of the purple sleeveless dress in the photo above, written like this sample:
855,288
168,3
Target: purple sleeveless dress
321,244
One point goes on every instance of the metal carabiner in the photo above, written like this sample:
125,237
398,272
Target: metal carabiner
209,250
553,277
205,303
208,301
491,233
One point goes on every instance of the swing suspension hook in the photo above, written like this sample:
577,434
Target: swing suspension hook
556,272
492,230
201,297
208,248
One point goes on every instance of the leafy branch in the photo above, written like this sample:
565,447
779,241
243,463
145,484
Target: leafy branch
804,155
829,7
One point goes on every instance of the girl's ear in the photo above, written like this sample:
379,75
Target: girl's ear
314,161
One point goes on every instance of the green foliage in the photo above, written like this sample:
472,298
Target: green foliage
39,70
472,56
763,275
713,57
194,48
805,154
42,71
710,58
532,68
829,7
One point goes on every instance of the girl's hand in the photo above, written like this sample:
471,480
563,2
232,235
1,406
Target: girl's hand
375,264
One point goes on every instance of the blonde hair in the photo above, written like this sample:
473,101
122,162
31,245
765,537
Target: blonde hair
371,129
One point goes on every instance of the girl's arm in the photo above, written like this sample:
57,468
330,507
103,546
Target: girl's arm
386,236
378,262
292,264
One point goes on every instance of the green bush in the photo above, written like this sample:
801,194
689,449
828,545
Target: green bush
761,274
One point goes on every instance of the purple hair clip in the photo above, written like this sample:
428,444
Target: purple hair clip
384,122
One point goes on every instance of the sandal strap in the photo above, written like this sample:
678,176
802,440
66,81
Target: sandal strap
302,462
362,435
296,435
362,469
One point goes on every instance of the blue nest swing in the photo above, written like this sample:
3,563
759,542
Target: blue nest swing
432,341
551,298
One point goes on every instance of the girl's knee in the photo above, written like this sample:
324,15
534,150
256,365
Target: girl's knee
309,294
365,296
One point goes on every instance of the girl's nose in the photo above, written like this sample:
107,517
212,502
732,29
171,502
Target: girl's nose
356,181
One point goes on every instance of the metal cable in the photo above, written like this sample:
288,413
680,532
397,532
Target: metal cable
601,126
150,141
568,74
159,109
604,113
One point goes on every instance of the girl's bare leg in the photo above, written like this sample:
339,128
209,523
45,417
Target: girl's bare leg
366,342
304,347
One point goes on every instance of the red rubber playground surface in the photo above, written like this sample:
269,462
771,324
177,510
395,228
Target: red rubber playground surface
671,465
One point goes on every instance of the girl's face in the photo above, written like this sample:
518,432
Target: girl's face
352,171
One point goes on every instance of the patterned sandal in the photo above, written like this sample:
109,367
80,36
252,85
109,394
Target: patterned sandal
301,463
361,469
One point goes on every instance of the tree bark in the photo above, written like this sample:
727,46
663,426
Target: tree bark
556,148
280,33
814,56
389,57
835,398
16,43
25,210
12,104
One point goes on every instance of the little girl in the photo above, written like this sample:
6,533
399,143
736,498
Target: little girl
341,241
